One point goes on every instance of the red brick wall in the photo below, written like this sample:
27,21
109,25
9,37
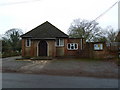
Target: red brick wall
100,54
73,52
86,52
26,51
52,49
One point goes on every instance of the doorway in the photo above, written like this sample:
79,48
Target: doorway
42,48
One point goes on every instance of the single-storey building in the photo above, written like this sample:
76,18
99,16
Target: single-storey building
48,40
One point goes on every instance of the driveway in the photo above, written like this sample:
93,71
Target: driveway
69,67
13,80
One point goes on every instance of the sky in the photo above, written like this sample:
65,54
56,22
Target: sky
28,14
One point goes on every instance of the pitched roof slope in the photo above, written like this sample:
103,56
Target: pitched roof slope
45,30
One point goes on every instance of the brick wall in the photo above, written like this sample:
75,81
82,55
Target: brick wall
99,54
51,48
84,51
73,52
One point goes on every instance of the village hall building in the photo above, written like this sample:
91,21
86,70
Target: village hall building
47,40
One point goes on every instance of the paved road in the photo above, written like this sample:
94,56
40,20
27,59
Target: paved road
17,80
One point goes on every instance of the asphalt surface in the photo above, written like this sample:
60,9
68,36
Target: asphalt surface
69,67
17,80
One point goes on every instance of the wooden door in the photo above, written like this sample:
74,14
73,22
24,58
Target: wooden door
42,48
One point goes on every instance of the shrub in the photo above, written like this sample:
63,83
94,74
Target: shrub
10,54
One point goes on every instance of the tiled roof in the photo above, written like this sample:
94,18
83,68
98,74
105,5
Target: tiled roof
45,30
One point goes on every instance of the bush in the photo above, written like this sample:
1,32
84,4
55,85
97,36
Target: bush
10,54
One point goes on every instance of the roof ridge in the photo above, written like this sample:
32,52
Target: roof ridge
56,27
47,28
34,28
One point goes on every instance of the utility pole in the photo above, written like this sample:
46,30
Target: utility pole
119,15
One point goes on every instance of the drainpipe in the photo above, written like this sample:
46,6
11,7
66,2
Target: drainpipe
81,44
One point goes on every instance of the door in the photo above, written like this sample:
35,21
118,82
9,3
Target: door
42,48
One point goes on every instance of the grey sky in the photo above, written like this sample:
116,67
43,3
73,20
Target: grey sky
60,13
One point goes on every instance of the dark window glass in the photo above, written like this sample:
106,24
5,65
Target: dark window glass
28,42
57,42
75,46
72,47
68,46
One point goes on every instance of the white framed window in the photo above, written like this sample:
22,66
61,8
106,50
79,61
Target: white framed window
28,42
98,46
72,46
59,42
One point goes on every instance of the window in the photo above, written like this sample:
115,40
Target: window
98,46
28,43
72,46
59,42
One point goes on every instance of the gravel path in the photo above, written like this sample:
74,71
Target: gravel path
11,64
62,67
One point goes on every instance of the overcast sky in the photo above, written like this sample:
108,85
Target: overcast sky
60,13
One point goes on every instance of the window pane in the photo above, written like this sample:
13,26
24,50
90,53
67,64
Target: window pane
75,46
57,42
72,46
28,42
61,42
68,46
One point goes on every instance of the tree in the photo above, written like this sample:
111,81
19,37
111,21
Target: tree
100,39
12,40
89,30
111,34
118,36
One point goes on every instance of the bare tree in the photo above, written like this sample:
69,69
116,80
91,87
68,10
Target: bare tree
110,34
118,36
84,29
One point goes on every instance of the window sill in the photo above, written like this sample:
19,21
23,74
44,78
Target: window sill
28,46
72,49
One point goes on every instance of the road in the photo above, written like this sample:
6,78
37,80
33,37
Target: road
17,80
